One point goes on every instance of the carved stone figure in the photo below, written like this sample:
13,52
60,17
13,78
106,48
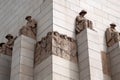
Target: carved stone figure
73,46
65,47
38,50
30,28
73,49
49,43
56,40
9,44
82,23
112,36
43,46
2,48
23,31
64,43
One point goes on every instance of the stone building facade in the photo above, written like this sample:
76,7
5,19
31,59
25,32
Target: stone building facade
93,59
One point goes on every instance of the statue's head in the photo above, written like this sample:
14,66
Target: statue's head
28,18
56,33
83,12
112,25
9,36
71,39
49,33
64,36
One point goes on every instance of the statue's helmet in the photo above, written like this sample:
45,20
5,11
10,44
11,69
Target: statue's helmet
113,24
83,12
8,35
28,17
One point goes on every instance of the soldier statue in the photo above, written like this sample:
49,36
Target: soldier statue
9,44
82,23
30,28
112,36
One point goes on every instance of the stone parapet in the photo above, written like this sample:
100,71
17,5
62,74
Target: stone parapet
56,44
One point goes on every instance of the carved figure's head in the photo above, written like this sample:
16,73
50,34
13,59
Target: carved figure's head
56,33
28,18
9,36
83,12
113,25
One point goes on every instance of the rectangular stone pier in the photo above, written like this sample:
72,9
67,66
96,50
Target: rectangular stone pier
5,67
106,65
114,55
22,59
89,55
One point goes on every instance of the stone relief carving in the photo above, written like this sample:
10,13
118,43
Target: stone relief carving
112,36
30,28
38,49
82,23
57,44
49,43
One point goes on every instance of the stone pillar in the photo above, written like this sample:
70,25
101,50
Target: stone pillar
114,55
89,55
5,67
106,65
22,59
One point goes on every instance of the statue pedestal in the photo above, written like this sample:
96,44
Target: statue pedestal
89,55
5,67
114,55
22,59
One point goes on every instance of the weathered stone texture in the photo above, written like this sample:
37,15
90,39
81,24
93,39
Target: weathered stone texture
56,44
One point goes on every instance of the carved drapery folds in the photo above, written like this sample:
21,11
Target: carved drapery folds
57,44
29,29
82,23
112,36
6,48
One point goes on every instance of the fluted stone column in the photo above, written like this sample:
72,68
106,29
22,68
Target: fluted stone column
114,55
90,62
5,67
22,59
